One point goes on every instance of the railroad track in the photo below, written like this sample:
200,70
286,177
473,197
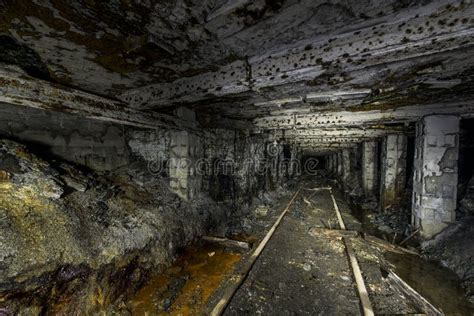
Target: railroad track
342,233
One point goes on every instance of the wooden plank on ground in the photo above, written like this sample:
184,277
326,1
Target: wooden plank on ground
361,288
230,243
388,246
332,233
423,303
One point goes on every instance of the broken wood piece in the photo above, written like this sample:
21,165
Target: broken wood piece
319,189
230,243
332,233
338,213
407,290
410,236
394,238
388,246
307,202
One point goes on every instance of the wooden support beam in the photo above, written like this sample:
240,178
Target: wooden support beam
407,290
325,146
325,140
336,132
226,242
364,118
19,89
388,246
332,233
423,31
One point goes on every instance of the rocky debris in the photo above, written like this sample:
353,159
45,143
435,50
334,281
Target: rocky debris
261,211
258,216
393,220
454,248
354,185
72,241
466,204
73,178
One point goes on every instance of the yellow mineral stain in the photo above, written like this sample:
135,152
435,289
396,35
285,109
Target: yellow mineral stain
203,269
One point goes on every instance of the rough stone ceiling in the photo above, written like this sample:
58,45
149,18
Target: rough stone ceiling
247,60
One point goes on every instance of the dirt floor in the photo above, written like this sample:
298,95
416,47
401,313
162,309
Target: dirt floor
299,273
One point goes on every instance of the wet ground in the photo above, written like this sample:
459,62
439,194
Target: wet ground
298,273
185,287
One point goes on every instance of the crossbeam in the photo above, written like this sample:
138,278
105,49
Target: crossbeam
421,31
19,89
364,118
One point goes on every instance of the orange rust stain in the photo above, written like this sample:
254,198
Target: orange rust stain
203,269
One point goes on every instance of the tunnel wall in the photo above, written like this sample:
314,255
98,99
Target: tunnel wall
108,231
235,166
97,145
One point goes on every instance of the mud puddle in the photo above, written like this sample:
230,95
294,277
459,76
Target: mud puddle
439,285
185,287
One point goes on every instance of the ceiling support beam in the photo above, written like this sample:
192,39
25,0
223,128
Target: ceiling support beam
336,132
19,89
326,146
431,29
365,118
325,140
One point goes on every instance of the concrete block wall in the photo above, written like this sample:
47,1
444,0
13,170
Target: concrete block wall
150,145
185,151
98,145
329,163
294,166
339,164
435,173
238,165
346,164
393,170
369,167
334,164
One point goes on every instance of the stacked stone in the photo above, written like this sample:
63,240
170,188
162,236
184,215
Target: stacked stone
436,173
369,167
346,165
185,152
393,180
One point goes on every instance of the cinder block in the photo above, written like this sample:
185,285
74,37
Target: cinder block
435,175
427,213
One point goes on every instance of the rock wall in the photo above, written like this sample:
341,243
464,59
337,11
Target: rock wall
72,242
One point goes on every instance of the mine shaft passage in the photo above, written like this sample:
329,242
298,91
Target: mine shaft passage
218,157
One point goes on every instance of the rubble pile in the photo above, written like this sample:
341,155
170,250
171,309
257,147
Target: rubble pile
66,233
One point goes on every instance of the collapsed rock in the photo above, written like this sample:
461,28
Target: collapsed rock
66,236
454,248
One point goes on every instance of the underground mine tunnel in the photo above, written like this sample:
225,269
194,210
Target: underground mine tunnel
236,157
